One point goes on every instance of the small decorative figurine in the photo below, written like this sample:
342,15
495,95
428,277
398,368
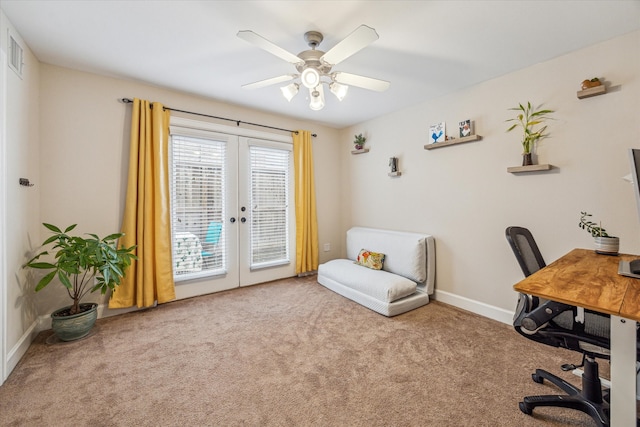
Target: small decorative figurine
393,163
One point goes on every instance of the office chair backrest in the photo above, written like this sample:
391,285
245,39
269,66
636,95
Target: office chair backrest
525,249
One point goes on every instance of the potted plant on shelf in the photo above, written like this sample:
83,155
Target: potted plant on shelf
82,265
604,243
528,118
359,141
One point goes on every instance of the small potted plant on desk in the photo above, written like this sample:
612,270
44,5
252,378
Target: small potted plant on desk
605,244
77,262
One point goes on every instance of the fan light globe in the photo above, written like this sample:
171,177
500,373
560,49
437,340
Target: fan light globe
290,90
317,98
310,77
340,91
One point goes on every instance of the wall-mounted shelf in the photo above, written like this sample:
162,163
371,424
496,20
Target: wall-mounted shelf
592,91
395,173
462,140
360,151
529,168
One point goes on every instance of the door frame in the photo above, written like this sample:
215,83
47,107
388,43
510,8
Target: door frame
200,286
3,195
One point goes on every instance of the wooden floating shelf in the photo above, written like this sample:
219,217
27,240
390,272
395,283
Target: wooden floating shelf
462,140
592,91
529,168
395,173
361,151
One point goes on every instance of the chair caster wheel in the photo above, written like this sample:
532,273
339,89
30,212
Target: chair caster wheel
537,378
524,408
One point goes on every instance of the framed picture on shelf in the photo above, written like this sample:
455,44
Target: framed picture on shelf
437,133
465,128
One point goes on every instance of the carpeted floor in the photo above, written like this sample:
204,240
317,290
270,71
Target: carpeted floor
286,353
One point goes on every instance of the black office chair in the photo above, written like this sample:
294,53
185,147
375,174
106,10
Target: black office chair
555,324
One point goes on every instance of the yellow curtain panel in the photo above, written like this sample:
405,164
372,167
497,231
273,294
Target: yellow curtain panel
306,220
146,221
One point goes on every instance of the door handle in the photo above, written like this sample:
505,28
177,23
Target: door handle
232,220
243,220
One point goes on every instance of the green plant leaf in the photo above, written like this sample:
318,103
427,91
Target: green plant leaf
541,112
52,228
51,240
45,280
65,280
114,236
69,228
41,265
117,270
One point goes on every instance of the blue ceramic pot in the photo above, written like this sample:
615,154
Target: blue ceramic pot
76,326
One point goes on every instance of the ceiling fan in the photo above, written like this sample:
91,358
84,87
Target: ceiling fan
315,66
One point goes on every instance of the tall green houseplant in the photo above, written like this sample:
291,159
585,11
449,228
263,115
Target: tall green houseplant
82,264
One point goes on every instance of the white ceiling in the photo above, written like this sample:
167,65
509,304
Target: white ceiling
426,48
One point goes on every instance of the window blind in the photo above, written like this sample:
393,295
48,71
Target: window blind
269,199
197,204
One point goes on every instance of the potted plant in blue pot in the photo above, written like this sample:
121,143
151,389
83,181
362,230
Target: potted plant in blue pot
82,265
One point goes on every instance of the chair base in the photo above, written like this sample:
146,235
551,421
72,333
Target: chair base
588,400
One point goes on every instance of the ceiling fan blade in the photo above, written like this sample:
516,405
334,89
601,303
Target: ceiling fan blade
360,38
362,81
271,81
265,44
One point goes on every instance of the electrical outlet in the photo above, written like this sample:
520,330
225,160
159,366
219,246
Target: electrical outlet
327,247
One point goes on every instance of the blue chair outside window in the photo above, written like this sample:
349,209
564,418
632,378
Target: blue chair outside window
213,237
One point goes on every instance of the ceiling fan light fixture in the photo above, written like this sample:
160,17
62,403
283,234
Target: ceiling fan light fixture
314,65
340,91
317,98
290,90
310,77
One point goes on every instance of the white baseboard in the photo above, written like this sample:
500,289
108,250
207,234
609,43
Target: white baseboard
486,310
21,347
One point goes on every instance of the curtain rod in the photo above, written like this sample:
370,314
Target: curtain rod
237,122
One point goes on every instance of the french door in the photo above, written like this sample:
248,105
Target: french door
231,207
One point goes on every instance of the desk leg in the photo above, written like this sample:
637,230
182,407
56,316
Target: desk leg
623,372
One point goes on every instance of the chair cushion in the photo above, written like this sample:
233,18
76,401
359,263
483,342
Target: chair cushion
405,253
379,284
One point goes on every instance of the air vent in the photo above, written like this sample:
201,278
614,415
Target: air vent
15,55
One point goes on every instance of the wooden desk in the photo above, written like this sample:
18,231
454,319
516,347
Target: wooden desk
586,279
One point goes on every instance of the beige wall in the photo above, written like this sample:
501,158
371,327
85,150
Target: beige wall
84,133
22,207
464,196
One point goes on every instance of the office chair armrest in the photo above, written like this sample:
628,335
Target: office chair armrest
539,316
